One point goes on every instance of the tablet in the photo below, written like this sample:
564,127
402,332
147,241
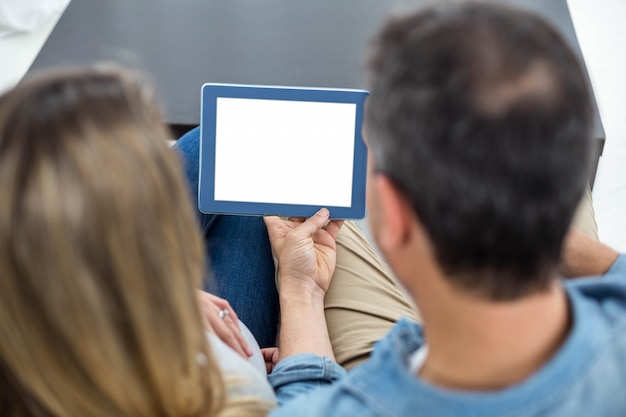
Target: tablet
267,150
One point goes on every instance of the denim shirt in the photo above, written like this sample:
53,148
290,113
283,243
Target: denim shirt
586,377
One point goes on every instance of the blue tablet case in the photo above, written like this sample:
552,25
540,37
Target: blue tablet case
215,197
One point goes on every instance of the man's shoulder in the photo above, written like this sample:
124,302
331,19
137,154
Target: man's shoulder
371,388
362,393
330,401
599,311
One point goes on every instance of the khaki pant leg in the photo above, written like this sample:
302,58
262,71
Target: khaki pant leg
585,218
364,301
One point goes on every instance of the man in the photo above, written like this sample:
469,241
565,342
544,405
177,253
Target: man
478,126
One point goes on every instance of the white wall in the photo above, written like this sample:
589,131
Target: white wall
601,30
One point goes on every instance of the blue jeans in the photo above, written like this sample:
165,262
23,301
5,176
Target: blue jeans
239,257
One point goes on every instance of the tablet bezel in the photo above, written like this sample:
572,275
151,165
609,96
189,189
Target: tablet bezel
206,190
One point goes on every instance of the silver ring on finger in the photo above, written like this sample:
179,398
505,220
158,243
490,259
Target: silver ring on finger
222,314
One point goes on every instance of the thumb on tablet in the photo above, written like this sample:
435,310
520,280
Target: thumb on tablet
306,253
315,222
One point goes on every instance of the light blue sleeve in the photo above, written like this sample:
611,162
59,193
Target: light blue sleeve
303,373
617,272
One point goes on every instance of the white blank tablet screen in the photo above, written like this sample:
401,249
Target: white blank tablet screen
284,152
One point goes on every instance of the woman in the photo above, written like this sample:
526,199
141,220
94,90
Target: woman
100,259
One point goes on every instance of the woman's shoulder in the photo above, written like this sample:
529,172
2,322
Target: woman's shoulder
243,379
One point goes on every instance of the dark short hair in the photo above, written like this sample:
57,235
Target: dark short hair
481,115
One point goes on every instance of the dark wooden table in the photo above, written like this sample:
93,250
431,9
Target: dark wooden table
183,44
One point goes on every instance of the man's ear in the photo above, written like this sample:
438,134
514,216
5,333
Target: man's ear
394,214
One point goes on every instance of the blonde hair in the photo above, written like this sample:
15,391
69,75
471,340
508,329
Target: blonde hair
99,258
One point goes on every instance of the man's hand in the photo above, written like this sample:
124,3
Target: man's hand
306,251
220,318
585,256
270,355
